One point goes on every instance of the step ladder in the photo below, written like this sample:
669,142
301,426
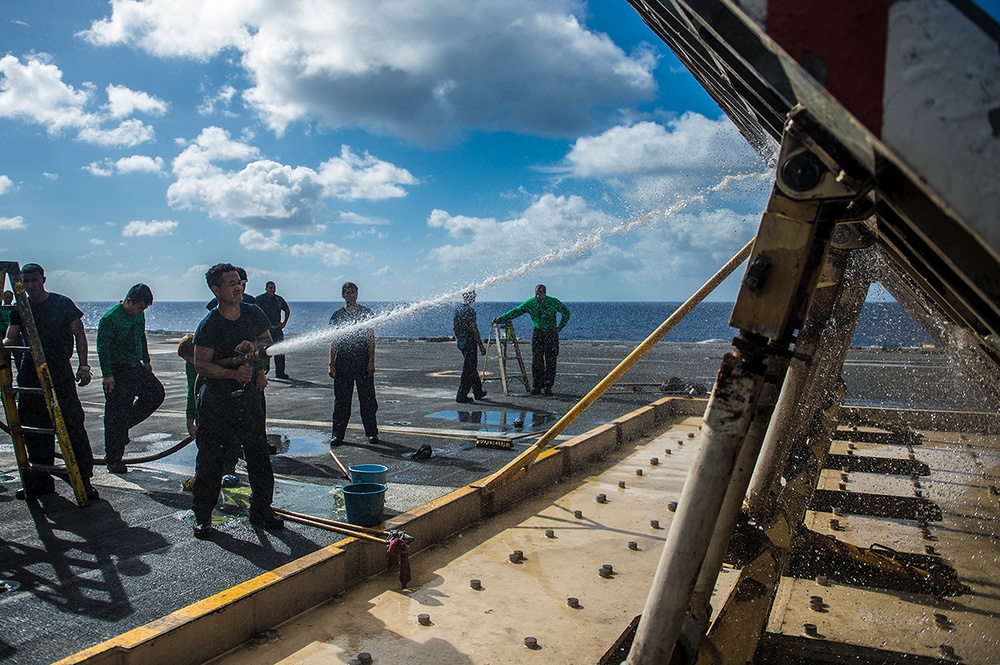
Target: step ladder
12,271
502,334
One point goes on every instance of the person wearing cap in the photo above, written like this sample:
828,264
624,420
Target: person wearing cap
59,323
467,337
131,391
545,336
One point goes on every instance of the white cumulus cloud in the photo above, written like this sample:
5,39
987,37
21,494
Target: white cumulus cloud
425,70
151,228
257,241
139,164
12,223
6,185
123,102
265,194
101,169
550,221
351,177
327,252
34,92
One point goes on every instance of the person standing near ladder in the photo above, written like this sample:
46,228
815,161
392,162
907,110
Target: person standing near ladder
131,392
59,323
545,337
467,337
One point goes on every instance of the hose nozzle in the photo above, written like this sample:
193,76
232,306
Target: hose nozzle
243,358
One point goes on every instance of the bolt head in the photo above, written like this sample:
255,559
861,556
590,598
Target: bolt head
802,172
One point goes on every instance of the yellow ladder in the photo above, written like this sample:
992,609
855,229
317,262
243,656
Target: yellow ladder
500,338
12,271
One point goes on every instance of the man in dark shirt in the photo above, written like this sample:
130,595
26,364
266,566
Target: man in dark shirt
352,361
59,323
229,406
229,478
468,338
274,306
131,391
247,298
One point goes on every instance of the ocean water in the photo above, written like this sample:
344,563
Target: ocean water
881,324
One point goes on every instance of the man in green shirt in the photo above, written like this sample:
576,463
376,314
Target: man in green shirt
131,391
545,337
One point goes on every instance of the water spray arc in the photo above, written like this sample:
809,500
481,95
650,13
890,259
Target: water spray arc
580,246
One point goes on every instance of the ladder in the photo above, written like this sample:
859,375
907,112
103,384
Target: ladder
12,271
500,338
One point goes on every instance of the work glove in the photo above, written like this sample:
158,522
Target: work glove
83,375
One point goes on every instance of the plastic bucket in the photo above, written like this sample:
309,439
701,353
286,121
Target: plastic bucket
364,503
368,473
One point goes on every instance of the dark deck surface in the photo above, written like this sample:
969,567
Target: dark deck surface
85,575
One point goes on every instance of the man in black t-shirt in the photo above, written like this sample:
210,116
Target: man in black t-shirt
352,362
229,406
59,324
274,306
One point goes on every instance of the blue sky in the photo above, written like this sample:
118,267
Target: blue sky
412,146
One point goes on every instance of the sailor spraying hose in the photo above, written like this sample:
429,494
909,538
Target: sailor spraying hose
230,403
256,356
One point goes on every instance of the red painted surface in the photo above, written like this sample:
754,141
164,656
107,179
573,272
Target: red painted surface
849,36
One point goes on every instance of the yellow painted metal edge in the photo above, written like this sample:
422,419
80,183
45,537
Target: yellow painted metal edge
210,627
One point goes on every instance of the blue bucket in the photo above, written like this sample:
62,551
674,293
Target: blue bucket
368,473
364,503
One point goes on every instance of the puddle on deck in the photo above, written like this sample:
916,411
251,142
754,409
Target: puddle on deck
499,421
